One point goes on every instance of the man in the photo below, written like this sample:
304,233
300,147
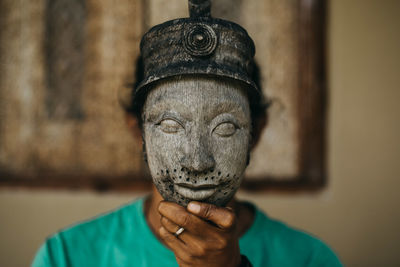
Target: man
199,111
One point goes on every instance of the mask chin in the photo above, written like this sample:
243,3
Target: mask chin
181,186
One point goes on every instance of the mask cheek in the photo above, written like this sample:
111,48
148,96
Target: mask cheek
154,152
163,161
162,170
233,155
157,167
159,173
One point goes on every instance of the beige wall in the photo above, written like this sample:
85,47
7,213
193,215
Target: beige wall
357,213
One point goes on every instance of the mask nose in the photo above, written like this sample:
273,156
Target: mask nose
197,155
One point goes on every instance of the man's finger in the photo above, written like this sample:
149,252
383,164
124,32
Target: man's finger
169,225
180,216
174,244
195,244
173,228
171,241
222,217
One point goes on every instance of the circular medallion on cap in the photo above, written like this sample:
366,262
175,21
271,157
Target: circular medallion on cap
199,40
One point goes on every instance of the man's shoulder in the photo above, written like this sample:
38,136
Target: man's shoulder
278,231
89,238
286,242
103,223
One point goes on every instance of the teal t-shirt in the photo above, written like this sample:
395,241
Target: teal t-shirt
123,238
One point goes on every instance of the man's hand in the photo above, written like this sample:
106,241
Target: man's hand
209,238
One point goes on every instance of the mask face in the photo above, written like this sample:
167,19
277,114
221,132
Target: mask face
197,135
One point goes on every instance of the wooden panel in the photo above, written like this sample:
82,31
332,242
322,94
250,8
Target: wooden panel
65,22
57,123
63,129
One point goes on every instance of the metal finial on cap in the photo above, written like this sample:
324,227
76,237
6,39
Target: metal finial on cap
199,8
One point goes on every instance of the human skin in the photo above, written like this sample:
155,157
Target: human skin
191,137
216,245
202,243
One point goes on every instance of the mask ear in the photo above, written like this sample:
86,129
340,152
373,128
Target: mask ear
259,124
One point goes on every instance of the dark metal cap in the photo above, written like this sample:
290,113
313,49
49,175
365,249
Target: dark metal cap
197,45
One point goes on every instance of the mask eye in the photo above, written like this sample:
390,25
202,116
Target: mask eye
225,129
170,126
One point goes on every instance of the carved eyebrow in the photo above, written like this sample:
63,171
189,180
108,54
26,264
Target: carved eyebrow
167,106
229,107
